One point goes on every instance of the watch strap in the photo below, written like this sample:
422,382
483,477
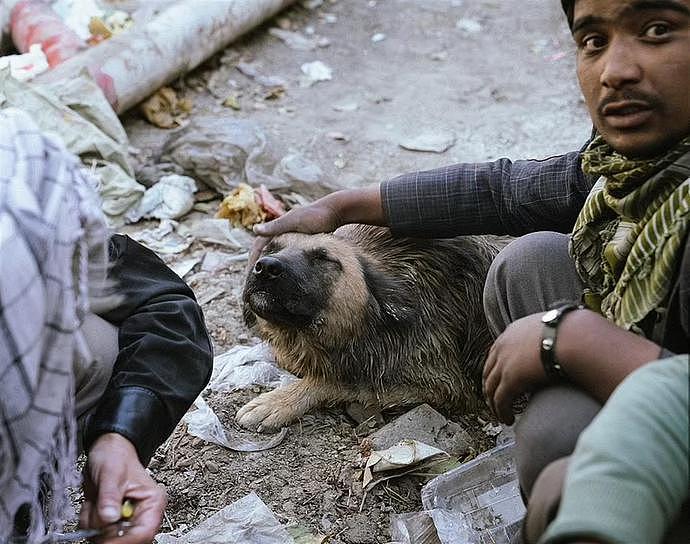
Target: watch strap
547,348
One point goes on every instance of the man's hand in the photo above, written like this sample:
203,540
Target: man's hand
513,366
321,216
340,208
112,473
596,355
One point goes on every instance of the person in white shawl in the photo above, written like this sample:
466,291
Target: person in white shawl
53,264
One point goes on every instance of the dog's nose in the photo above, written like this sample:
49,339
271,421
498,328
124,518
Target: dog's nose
269,267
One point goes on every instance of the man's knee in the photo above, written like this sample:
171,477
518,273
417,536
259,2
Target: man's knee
526,275
549,429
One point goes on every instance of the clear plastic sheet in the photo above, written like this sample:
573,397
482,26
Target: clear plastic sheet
241,367
479,502
246,521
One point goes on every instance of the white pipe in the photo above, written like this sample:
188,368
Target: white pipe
131,66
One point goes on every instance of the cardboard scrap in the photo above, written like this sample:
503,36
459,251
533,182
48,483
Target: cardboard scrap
404,457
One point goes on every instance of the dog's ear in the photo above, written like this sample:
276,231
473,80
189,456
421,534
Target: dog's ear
391,297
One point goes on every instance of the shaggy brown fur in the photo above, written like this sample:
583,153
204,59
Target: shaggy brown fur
361,316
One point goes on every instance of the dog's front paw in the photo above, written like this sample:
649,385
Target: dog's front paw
269,411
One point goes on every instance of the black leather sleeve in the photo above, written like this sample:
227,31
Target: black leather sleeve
165,354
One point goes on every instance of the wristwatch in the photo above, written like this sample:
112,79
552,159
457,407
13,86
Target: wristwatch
547,351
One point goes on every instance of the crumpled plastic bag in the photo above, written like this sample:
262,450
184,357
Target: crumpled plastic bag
168,237
77,112
245,521
241,367
223,152
170,198
244,366
27,66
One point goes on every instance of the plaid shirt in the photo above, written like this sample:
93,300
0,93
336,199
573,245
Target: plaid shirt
500,197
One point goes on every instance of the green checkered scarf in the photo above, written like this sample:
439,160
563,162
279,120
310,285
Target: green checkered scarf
627,240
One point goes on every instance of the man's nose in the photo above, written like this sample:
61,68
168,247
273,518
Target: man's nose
268,267
621,65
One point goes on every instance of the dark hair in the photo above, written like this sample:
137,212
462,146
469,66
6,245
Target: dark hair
568,7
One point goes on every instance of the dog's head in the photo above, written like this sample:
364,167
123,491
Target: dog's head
323,283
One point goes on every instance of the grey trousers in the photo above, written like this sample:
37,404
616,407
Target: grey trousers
528,275
91,377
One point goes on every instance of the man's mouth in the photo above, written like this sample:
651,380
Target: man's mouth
627,113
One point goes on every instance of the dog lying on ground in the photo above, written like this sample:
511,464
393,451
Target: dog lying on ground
363,317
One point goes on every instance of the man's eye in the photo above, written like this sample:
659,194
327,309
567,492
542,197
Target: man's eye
593,43
656,30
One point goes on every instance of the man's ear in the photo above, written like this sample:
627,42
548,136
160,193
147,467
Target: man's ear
391,299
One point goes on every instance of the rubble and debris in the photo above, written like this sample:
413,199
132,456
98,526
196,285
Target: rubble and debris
232,101
378,37
296,167
237,368
413,528
426,425
204,423
165,109
314,72
402,458
211,295
252,70
77,14
182,268
161,54
436,141
215,261
294,40
346,106
219,231
468,25
167,238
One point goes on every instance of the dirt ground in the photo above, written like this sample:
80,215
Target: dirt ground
499,74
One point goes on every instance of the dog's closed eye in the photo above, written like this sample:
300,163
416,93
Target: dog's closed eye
322,255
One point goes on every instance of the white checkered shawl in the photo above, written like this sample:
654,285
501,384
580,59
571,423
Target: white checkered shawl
52,241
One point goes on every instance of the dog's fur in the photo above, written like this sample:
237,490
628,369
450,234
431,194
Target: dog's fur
361,316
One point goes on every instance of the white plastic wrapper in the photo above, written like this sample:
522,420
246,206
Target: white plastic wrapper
27,66
204,423
244,366
170,198
241,367
246,521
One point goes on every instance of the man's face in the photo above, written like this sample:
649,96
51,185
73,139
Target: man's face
633,64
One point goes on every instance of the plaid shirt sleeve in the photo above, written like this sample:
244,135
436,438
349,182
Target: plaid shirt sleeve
500,197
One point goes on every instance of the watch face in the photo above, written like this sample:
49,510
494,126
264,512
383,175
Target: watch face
549,316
